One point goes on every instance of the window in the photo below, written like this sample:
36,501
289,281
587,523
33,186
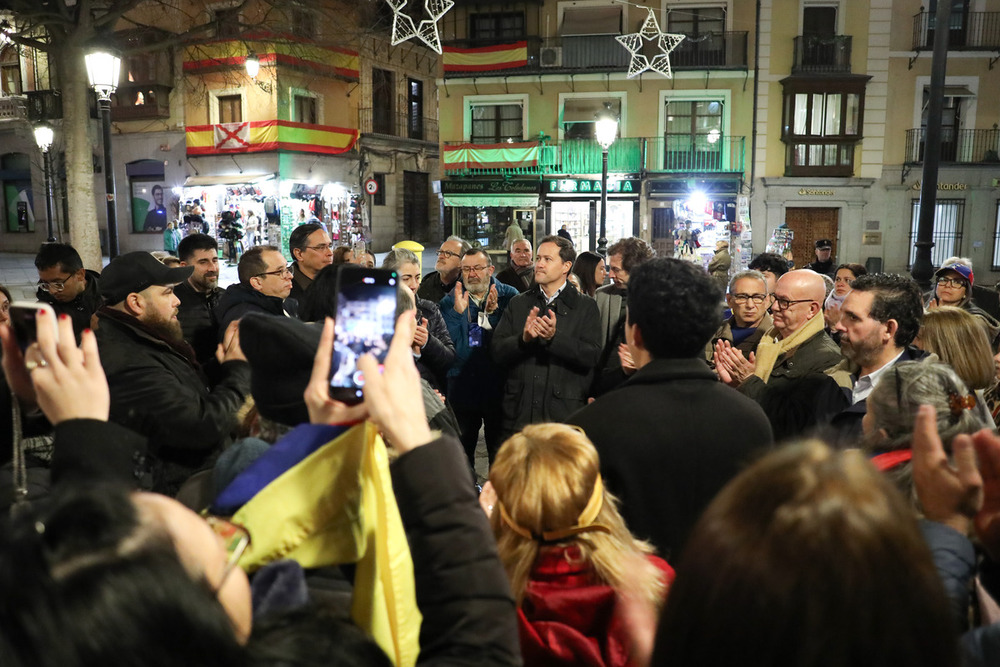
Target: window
415,116
305,109
496,123
693,136
227,22
948,219
141,68
230,108
496,27
705,28
304,24
579,115
821,125
10,71
383,96
379,198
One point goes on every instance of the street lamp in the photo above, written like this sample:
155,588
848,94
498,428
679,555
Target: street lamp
43,137
103,68
252,64
607,131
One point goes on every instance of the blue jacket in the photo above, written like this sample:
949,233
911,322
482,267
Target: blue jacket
474,376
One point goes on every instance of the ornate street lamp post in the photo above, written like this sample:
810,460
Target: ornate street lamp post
103,68
607,132
43,137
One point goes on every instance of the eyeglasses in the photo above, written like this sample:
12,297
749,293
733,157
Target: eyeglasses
235,539
951,282
447,253
785,304
474,269
280,273
322,247
743,298
53,285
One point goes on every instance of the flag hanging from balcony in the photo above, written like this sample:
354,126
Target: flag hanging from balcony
234,136
486,58
490,156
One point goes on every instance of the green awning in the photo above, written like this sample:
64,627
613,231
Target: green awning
496,200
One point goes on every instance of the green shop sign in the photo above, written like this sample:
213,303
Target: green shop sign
588,186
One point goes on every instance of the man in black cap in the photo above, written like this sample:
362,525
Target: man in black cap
824,258
157,387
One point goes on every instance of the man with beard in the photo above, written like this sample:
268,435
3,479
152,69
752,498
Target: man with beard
520,273
199,295
879,320
446,271
475,383
157,387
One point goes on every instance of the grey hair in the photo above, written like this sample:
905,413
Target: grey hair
749,273
829,284
466,246
399,256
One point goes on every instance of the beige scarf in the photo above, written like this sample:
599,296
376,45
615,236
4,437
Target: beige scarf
771,346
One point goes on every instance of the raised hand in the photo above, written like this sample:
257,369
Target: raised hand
322,408
69,380
625,357
491,300
420,334
461,298
229,349
545,326
528,334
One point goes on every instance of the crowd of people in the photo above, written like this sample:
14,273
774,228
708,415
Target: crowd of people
771,466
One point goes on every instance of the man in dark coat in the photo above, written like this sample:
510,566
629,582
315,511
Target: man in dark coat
520,273
265,282
824,259
446,271
199,295
549,341
672,435
312,251
747,299
65,285
157,388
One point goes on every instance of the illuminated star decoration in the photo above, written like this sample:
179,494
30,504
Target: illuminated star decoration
403,27
666,42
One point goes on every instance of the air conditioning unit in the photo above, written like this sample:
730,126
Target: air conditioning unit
550,56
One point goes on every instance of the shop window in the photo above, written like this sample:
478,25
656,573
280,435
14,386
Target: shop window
579,115
497,123
383,98
10,71
230,108
694,134
379,198
949,217
496,27
305,109
821,124
415,115
227,22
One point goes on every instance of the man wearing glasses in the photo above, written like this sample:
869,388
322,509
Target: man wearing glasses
748,300
796,346
446,272
265,283
311,250
65,285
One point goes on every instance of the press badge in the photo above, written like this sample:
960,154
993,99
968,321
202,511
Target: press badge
475,335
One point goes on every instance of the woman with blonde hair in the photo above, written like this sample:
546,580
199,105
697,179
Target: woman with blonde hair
566,550
959,340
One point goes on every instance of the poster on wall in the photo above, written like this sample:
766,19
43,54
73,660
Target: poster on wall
148,212
20,210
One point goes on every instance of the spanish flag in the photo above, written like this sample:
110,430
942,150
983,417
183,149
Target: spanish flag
486,58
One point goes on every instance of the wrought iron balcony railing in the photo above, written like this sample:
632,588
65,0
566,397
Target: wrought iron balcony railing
679,153
957,146
383,122
970,31
818,54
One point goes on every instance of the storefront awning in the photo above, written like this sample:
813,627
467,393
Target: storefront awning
483,200
226,179
592,21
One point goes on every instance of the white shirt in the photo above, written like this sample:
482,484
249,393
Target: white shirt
866,383
550,299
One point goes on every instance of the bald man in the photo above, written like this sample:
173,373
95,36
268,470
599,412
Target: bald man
794,348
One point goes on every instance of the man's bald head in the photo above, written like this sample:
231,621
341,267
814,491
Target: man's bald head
803,291
805,283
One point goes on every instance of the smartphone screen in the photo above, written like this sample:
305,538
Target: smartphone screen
366,321
24,321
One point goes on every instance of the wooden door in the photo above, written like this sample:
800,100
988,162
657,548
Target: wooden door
810,225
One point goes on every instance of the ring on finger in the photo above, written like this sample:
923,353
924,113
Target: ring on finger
32,365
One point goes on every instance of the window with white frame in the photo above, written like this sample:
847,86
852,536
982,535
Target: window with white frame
497,123
948,221
693,133
578,119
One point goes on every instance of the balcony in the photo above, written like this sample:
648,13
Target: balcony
602,53
257,136
630,155
957,146
970,31
13,107
380,122
815,54
138,102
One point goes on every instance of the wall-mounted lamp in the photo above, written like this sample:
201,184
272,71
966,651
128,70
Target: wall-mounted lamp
252,64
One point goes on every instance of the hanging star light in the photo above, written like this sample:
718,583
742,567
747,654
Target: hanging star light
666,42
403,27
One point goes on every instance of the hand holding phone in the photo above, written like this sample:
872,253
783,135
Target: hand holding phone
24,322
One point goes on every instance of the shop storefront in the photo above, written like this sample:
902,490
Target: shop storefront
690,215
576,203
482,209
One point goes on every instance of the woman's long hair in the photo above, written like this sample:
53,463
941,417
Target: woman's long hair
585,267
544,476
